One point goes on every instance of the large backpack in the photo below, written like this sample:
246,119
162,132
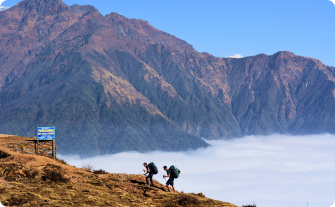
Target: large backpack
153,168
174,171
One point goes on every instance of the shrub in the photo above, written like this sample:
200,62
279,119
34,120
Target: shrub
87,166
249,205
100,172
186,200
183,200
55,175
61,161
30,173
201,194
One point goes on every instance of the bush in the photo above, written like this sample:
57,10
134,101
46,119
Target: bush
61,161
186,200
249,205
30,173
183,200
201,194
100,172
88,167
55,175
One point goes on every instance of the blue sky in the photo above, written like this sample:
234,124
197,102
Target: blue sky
228,27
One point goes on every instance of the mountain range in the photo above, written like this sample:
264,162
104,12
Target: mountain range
111,84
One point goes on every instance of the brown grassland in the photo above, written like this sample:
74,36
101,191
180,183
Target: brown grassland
35,180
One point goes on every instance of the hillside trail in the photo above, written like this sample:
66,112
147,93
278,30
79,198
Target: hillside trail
35,180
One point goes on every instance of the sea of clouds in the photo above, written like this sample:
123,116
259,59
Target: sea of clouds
275,171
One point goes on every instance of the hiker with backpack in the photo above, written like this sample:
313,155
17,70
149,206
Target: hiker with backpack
151,169
171,178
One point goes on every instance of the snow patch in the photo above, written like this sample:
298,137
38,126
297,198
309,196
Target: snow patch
3,8
235,56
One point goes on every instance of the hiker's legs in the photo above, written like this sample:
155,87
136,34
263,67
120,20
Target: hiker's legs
168,187
149,177
172,185
169,182
152,183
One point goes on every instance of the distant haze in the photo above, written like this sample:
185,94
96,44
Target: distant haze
276,171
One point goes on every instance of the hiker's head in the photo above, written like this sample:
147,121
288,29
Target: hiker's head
165,168
145,164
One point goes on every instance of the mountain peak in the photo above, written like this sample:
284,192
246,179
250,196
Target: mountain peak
76,8
284,54
44,6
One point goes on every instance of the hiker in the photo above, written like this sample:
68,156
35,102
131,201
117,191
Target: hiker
151,173
171,179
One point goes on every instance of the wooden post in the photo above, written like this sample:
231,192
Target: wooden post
37,141
53,149
37,146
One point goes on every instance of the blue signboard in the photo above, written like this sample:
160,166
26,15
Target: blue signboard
46,133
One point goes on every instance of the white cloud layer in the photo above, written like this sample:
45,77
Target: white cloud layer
2,8
274,171
235,56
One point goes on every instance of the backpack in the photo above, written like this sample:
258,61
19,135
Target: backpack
153,168
174,171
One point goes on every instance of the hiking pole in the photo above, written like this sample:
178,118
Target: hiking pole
141,171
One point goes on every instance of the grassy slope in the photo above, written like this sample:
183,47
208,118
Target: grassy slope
79,187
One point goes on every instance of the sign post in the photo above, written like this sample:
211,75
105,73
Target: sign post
46,134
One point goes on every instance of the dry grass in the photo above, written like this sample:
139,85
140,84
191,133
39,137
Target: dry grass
19,200
11,178
186,200
30,173
183,200
41,181
55,174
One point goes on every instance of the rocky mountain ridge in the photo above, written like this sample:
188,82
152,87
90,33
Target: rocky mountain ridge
111,84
